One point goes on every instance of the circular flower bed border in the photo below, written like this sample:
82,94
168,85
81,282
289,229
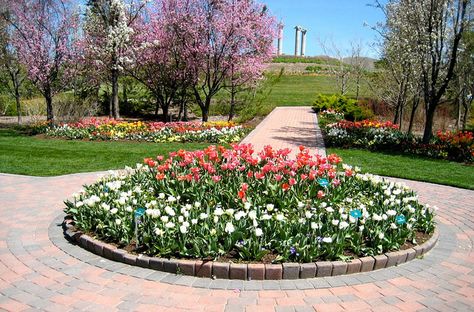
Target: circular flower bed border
238,271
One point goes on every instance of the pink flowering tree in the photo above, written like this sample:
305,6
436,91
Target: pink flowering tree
44,31
248,58
220,40
158,59
108,30
237,40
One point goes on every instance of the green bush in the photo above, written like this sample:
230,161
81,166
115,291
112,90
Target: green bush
339,103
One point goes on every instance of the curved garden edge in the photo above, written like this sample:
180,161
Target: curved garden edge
237,271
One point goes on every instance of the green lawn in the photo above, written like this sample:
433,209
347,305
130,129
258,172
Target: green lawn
20,154
290,90
300,90
410,167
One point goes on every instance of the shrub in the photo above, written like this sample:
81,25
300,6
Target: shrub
234,203
341,104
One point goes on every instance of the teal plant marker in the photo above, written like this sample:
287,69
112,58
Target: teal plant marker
323,182
356,213
139,212
400,220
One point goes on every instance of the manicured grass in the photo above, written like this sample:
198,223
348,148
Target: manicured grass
20,154
300,90
290,90
410,167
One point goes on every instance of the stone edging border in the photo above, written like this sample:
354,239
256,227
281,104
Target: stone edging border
237,271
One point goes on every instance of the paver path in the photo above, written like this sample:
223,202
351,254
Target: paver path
40,271
288,127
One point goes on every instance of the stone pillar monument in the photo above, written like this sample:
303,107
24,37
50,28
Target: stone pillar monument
303,41
280,38
297,40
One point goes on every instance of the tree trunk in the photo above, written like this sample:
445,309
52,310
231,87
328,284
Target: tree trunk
114,96
165,109
357,87
49,104
185,114
16,86
157,107
233,92
401,116
467,105
459,113
416,102
205,114
203,105
111,105
430,113
125,95
395,118
18,106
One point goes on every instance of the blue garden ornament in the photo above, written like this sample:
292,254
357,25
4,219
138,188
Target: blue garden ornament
400,219
356,214
323,182
139,212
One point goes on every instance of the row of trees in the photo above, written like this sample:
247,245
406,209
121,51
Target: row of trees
178,49
428,57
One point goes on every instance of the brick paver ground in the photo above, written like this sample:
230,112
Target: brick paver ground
39,271
288,127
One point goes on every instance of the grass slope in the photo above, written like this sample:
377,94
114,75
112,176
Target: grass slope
290,90
410,167
27,155
300,90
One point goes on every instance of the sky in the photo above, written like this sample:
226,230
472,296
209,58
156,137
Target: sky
338,21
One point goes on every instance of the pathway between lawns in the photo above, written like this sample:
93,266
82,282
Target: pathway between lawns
288,127
39,270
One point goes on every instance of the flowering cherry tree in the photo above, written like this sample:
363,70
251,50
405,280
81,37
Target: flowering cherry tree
158,59
44,31
107,39
221,40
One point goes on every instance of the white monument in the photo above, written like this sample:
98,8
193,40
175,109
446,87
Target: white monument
297,40
280,38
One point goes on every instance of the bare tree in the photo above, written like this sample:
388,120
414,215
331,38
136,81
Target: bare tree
357,65
463,84
339,69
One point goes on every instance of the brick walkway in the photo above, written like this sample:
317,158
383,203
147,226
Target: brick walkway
39,271
288,127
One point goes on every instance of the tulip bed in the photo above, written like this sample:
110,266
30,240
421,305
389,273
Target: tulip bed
109,129
386,136
246,206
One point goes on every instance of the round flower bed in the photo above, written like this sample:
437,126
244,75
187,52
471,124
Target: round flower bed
236,205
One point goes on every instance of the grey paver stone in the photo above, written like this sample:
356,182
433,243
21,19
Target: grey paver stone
220,270
291,270
308,270
323,268
380,262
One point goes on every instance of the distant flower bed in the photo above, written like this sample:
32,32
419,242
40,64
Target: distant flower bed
109,129
237,204
376,135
